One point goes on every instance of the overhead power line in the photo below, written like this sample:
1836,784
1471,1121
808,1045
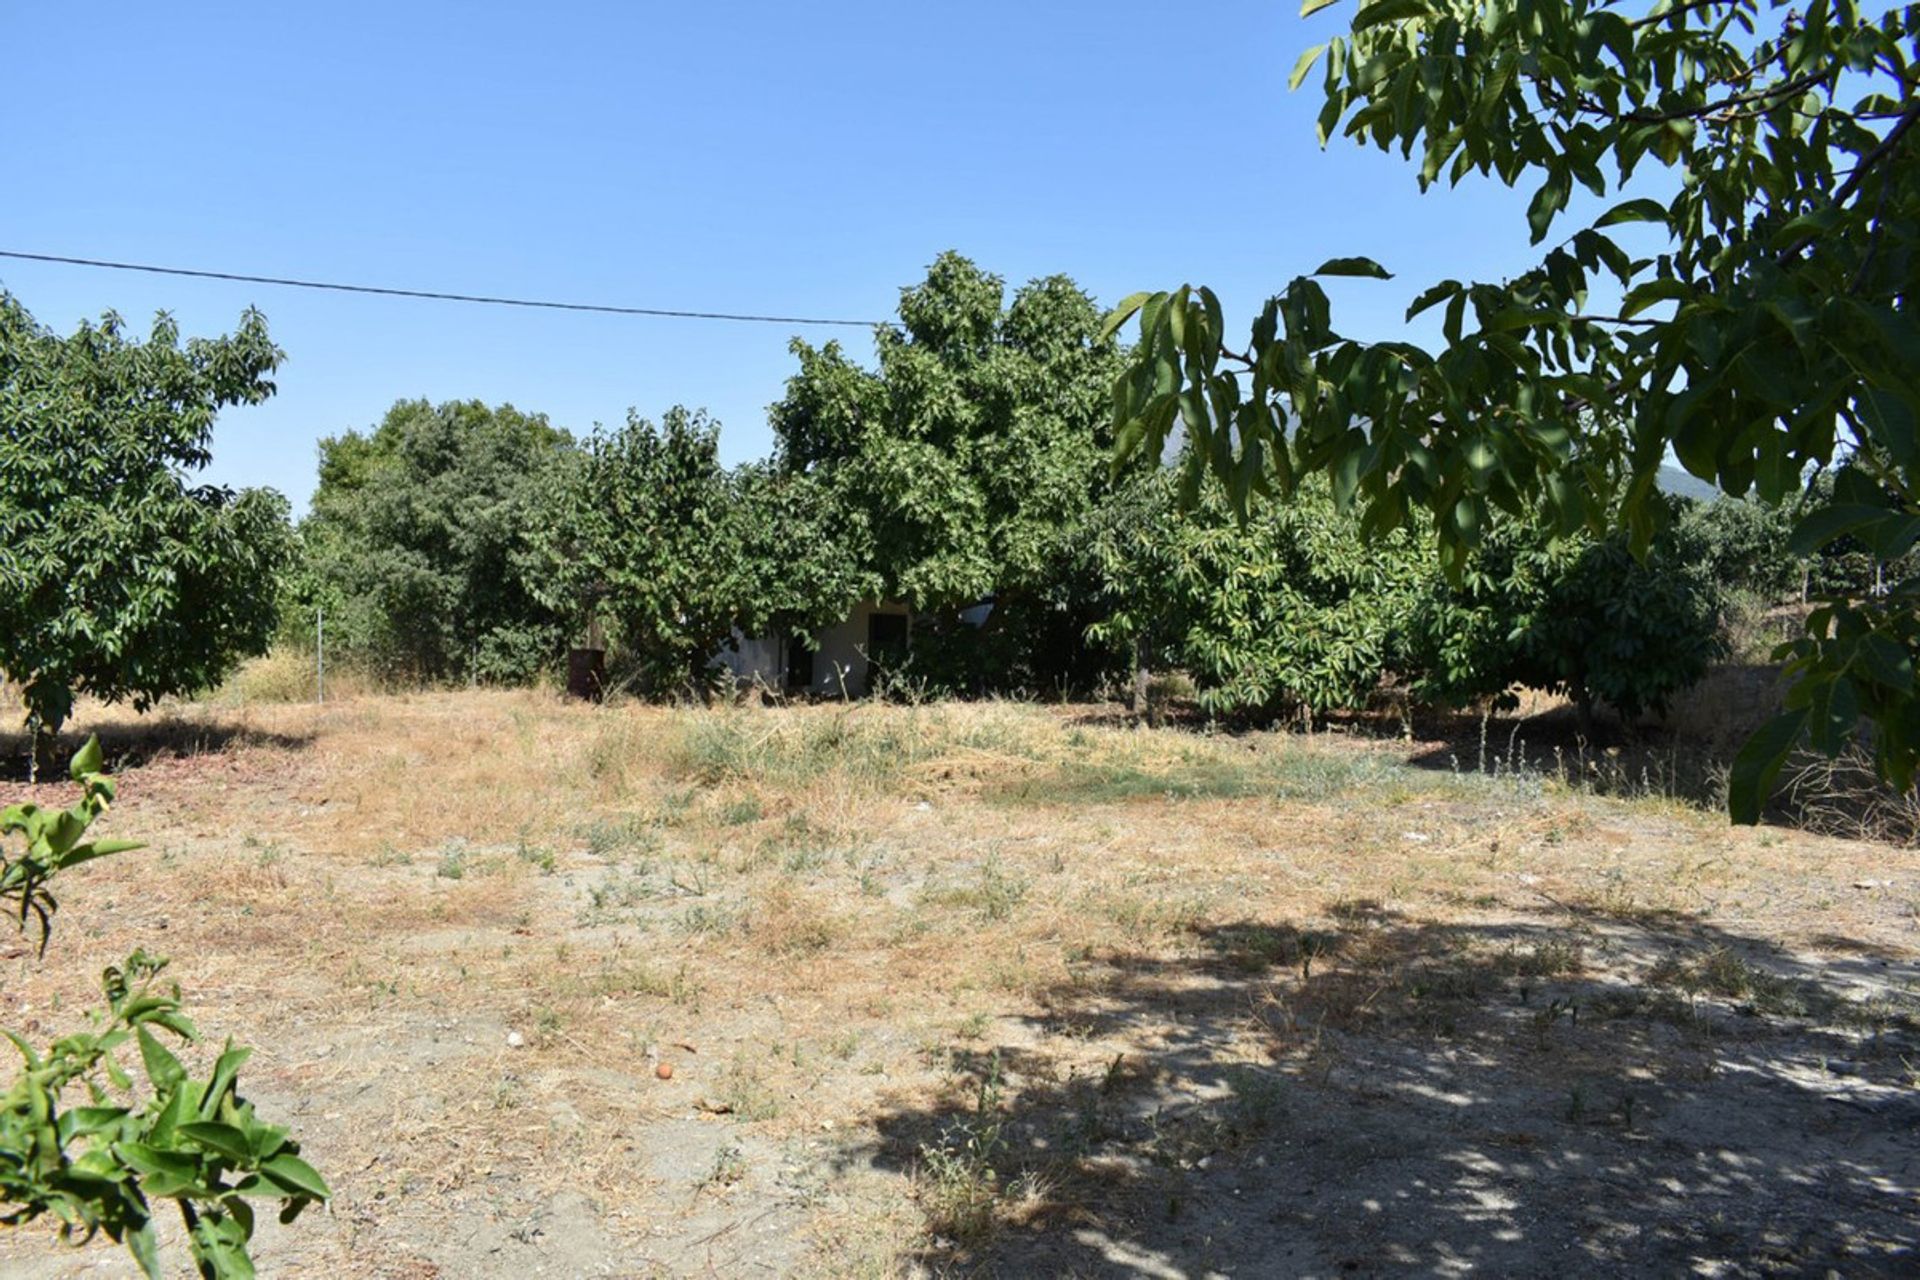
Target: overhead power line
283,282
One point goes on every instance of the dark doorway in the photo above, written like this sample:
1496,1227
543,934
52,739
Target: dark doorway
886,645
799,663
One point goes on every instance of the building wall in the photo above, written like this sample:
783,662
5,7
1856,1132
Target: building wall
839,663
754,660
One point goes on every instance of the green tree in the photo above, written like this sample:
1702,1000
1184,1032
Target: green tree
1770,332
416,547
1745,545
1292,608
643,539
804,556
974,450
1578,615
1286,610
118,576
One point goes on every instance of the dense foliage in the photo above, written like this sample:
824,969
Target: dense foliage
1744,545
1292,608
974,452
97,1167
1579,616
1288,609
119,577
415,545
670,551
1769,333
640,538
457,541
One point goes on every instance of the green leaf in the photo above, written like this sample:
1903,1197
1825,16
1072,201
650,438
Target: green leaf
1310,7
154,1162
223,1138
1759,762
1835,520
1652,293
224,1071
1892,420
144,1248
1302,67
1886,662
162,1067
297,1176
1384,11
1118,317
76,1122
98,849
1548,201
1365,267
1432,297
89,759
1642,210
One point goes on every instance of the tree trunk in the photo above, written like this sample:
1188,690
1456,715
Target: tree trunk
1137,696
1583,711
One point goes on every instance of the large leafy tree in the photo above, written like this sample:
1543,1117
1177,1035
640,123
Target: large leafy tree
977,446
804,556
1767,157
1285,610
415,546
120,577
641,538
675,555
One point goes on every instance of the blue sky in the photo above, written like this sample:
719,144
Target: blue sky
753,157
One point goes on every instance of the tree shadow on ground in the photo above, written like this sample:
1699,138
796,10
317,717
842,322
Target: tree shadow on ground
1585,1093
134,744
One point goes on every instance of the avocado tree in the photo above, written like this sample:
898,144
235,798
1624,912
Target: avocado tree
973,451
1765,153
416,548
120,577
804,556
1292,609
641,537
1287,610
1577,615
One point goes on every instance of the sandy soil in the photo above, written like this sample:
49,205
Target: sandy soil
998,990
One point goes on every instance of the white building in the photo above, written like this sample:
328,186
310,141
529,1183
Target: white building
842,664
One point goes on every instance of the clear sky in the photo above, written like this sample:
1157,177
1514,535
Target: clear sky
794,159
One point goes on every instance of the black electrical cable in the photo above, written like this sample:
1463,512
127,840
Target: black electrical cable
436,296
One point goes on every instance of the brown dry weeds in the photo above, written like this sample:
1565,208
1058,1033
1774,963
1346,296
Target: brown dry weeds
998,989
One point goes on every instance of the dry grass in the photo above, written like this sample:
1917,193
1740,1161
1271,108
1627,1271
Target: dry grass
1064,984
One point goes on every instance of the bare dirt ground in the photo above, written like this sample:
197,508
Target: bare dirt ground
998,990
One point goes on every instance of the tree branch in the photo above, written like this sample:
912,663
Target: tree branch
1846,190
1677,11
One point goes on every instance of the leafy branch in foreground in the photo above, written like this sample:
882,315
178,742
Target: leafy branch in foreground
96,1167
1770,334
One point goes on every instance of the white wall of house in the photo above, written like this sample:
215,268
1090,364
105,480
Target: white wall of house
754,659
839,663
